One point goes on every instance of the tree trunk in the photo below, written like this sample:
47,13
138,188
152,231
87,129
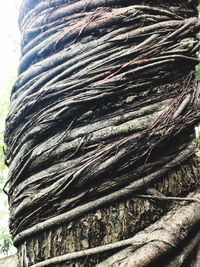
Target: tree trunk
100,134
11,261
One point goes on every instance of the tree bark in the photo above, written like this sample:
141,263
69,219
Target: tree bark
118,221
11,261
100,134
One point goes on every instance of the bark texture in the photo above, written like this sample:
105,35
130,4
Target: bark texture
11,261
117,222
104,106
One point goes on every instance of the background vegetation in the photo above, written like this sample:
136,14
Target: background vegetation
5,241
10,54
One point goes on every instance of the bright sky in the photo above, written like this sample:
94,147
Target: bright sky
9,32
9,47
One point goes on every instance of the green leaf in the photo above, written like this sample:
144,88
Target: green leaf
5,241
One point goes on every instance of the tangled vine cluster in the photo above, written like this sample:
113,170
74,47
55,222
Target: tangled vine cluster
104,87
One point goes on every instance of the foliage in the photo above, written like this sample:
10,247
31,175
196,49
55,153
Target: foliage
198,7
5,241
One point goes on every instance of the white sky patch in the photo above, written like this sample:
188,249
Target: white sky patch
9,31
9,47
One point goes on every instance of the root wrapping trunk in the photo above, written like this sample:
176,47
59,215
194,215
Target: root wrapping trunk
104,105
